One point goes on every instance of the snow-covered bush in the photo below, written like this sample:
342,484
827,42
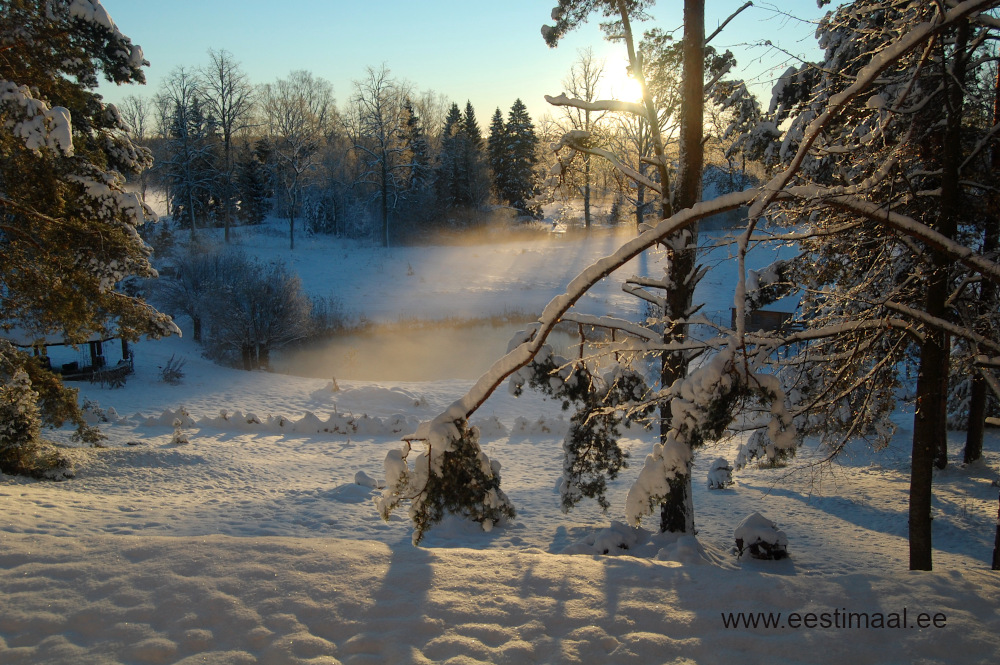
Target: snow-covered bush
761,537
720,474
453,476
20,423
759,447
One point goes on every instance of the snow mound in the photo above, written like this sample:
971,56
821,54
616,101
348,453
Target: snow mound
543,425
619,538
490,427
395,397
309,423
168,418
720,474
761,537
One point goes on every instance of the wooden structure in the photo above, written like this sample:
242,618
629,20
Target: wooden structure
764,320
98,359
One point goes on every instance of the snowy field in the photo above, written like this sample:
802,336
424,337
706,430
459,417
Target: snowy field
256,543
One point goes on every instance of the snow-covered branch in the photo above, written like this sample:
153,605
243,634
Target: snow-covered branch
902,223
614,105
868,75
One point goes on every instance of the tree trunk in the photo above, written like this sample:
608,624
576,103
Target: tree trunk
977,420
932,380
987,305
933,358
677,512
191,212
385,201
586,190
996,542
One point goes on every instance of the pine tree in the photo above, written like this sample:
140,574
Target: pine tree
450,163
253,184
518,178
475,181
192,167
419,176
886,206
68,228
496,147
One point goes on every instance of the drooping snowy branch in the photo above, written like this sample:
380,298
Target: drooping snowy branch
598,105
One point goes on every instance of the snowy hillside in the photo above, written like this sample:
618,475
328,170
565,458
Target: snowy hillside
257,541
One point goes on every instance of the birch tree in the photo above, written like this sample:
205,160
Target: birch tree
299,113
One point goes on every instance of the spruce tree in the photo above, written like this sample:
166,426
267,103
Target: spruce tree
253,184
68,228
496,148
419,177
192,167
475,181
518,180
449,165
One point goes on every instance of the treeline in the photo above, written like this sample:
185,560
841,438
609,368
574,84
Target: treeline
390,164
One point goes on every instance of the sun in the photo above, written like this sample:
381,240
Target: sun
631,91
622,86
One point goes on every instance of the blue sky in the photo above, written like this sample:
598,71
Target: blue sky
490,53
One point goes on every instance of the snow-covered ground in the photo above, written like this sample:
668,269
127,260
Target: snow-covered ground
255,542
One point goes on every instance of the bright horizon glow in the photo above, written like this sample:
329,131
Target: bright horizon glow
487,54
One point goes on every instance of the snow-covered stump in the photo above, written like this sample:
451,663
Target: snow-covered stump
762,538
720,474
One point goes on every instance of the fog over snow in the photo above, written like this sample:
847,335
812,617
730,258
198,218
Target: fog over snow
258,542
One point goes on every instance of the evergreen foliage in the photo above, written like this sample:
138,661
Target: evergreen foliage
20,423
453,476
604,404
461,177
68,229
253,184
192,168
495,148
515,170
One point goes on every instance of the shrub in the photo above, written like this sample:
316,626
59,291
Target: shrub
20,424
172,371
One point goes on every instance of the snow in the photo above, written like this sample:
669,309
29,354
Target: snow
259,541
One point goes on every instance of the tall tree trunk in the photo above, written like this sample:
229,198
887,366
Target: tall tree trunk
996,542
932,380
191,211
385,200
987,305
677,512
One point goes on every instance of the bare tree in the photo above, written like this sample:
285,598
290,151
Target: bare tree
299,115
582,83
137,112
378,139
230,97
